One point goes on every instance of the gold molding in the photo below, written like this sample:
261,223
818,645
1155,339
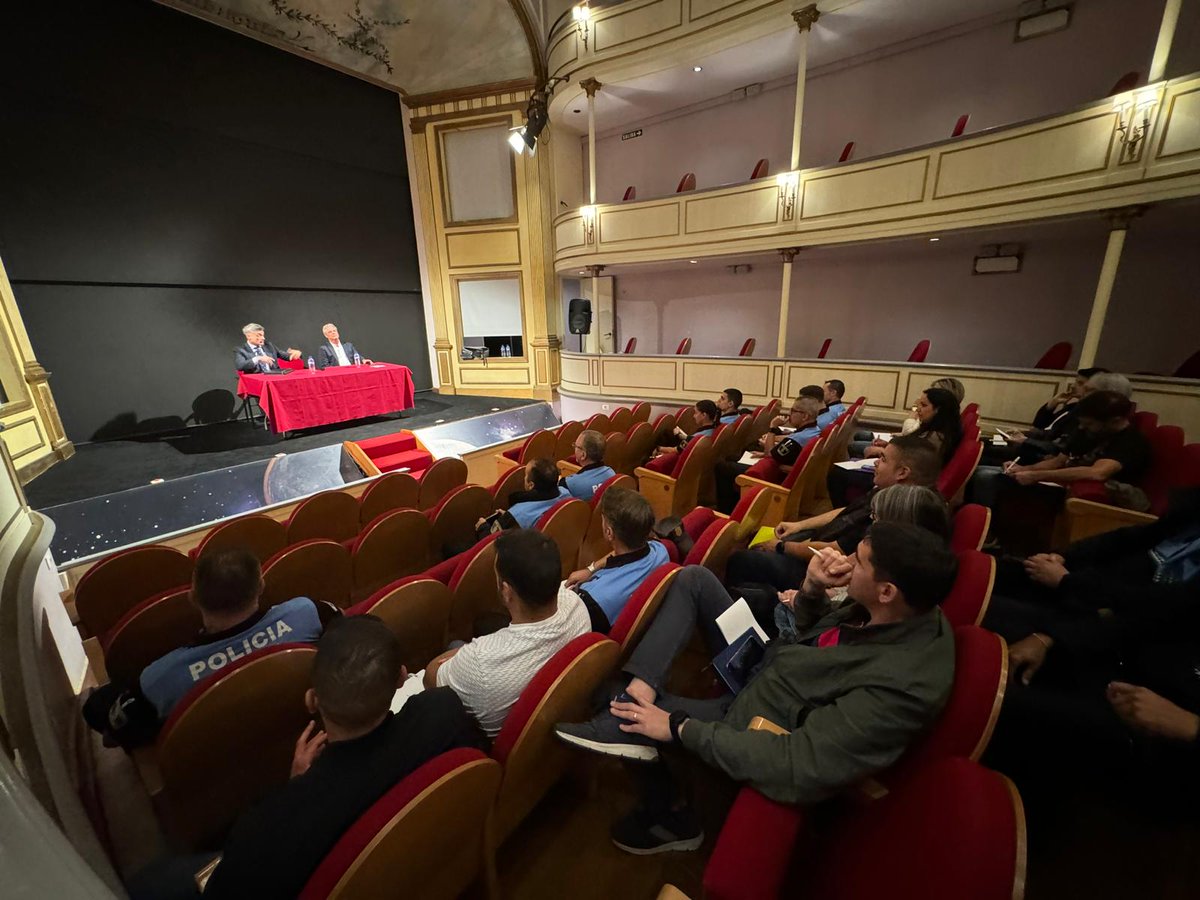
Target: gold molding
590,87
806,17
470,92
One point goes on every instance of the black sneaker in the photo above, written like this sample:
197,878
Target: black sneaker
643,833
603,735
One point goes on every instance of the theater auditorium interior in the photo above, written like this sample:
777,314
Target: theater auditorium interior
624,448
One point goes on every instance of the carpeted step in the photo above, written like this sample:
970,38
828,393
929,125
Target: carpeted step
416,461
388,444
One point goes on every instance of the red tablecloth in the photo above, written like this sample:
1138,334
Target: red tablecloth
304,399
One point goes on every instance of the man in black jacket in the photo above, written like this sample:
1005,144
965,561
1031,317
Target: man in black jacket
335,351
1103,638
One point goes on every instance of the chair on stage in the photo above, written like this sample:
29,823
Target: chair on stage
119,582
149,631
1056,357
533,758
260,534
392,546
439,479
566,522
453,520
249,714
641,607
329,515
920,352
429,830
967,602
675,493
392,490
417,610
321,570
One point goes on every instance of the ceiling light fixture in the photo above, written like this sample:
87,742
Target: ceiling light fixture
582,15
931,240
693,261
697,68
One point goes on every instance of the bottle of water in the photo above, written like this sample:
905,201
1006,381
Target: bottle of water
506,350
312,364
357,360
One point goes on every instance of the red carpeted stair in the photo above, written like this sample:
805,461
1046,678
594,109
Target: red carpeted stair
397,451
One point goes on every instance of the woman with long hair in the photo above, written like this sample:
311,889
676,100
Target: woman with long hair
940,420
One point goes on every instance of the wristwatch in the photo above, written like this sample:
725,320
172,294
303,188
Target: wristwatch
779,548
676,722
591,567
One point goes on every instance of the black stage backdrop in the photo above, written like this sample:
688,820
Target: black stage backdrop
163,182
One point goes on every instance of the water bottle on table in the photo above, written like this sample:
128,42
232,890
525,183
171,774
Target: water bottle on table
357,360
312,364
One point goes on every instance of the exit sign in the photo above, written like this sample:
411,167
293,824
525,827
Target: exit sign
630,135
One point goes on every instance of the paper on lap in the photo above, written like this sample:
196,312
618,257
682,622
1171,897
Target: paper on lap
737,620
882,435
414,685
856,464
749,459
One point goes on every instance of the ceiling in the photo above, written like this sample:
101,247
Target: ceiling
846,29
414,46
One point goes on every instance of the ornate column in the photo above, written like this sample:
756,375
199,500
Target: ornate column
805,19
591,85
1119,220
785,296
1166,34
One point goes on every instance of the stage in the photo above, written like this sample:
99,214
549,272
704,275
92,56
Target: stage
101,498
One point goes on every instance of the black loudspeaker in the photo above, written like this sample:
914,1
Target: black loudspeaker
579,316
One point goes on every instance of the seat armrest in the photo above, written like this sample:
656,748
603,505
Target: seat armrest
1086,518
644,474
206,873
754,849
758,723
746,481
503,464
566,468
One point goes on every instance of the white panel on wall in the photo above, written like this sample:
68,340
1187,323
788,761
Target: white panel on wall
490,306
479,173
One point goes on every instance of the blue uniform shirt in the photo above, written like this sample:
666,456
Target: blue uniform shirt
830,415
729,419
583,484
529,511
612,586
167,679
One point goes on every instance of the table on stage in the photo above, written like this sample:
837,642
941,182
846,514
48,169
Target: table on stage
306,399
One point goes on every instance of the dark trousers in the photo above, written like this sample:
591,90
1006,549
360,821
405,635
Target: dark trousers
780,571
695,599
169,878
725,475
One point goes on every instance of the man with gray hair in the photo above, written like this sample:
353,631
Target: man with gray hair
258,354
589,453
335,351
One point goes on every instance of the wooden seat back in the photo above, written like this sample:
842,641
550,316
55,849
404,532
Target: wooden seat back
639,441
329,515
697,463
149,631
598,422
506,484
393,490
641,411
621,419
119,582
417,611
392,546
564,447
261,535
229,742
540,445
453,526
321,570
439,480
567,524
428,830
473,590
594,545
616,453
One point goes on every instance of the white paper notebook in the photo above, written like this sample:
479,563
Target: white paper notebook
856,464
737,620
748,458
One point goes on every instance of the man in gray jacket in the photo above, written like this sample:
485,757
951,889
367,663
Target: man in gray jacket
853,688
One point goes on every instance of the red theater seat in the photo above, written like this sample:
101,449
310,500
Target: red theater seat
566,522
847,152
122,580
748,347
150,630
631,345
428,830
684,348
630,193
392,546
713,549
1056,357
329,515
824,348
321,570
968,599
686,183
261,535
539,445
961,125
762,169
453,520
394,490
970,527
920,352
439,479
417,609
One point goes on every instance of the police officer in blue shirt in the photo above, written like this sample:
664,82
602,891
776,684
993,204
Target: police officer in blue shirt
589,453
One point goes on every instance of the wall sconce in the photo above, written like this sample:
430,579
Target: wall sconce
1133,121
589,224
789,183
582,16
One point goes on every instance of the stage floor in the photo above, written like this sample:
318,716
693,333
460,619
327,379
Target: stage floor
109,466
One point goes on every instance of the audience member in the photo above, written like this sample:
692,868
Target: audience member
226,588
606,584
953,385
730,405
1103,638
834,390
784,449
589,453
782,562
854,687
338,772
1035,444
542,491
1060,403
489,673
705,415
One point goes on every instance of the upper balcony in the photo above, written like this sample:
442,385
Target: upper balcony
1079,161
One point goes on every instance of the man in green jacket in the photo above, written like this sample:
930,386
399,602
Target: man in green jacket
853,689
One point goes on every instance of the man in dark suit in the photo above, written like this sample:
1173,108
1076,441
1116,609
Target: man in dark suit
258,354
335,351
